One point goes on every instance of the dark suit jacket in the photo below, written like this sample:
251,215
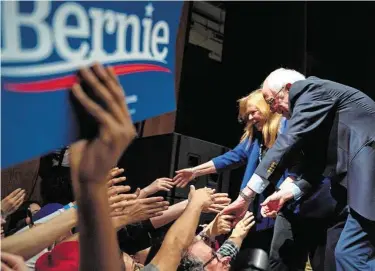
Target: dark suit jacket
331,123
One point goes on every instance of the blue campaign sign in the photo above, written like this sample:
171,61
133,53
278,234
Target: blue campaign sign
43,43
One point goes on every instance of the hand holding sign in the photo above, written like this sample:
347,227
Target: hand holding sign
92,160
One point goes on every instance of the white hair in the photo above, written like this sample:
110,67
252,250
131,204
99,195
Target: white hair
280,77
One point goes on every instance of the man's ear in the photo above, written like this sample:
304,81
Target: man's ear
287,86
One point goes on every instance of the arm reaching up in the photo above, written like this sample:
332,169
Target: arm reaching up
182,232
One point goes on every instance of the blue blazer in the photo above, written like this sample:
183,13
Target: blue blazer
247,152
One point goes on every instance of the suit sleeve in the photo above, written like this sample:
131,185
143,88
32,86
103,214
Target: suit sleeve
233,158
310,111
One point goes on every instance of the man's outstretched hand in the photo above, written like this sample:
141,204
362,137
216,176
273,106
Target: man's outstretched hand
272,205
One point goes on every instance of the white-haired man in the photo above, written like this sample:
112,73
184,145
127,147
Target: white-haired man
333,125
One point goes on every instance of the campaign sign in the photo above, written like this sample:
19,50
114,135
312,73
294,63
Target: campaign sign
43,43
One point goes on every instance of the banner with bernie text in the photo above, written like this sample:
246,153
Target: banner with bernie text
43,43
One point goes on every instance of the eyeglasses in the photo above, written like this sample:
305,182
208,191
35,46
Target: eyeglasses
271,101
215,256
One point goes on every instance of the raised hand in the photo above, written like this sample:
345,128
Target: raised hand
91,160
243,226
183,177
220,201
238,208
202,197
12,202
113,176
161,184
222,224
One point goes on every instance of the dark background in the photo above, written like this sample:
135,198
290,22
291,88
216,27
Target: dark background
331,40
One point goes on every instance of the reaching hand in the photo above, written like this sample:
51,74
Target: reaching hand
238,208
202,197
12,202
92,160
275,202
161,184
112,176
243,226
220,201
10,262
183,177
222,224
142,209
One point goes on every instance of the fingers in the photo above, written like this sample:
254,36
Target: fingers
15,192
118,92
119,189
114,181
120,200
217,207
227,217
249,226
113,75
266,201
20,194
169,180
229,209
115,172
151,200
271,214
138,192
181,170
162,207
221,200
91,107
103,88
181,182
221,195
10,260
19,202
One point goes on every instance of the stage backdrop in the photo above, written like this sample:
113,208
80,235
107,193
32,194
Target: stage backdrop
43,43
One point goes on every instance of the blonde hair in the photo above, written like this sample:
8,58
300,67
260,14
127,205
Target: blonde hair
270,128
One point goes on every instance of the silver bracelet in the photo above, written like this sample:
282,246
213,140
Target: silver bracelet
246,197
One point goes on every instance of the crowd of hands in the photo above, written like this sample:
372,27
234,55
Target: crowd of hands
104,204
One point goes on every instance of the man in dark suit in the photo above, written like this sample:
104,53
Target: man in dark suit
336,124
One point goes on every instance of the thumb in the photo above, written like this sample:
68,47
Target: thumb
138,192
228,209
192,188
266,201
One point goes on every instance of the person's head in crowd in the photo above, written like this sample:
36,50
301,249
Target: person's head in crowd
255,113
201,257
276,88
19,218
